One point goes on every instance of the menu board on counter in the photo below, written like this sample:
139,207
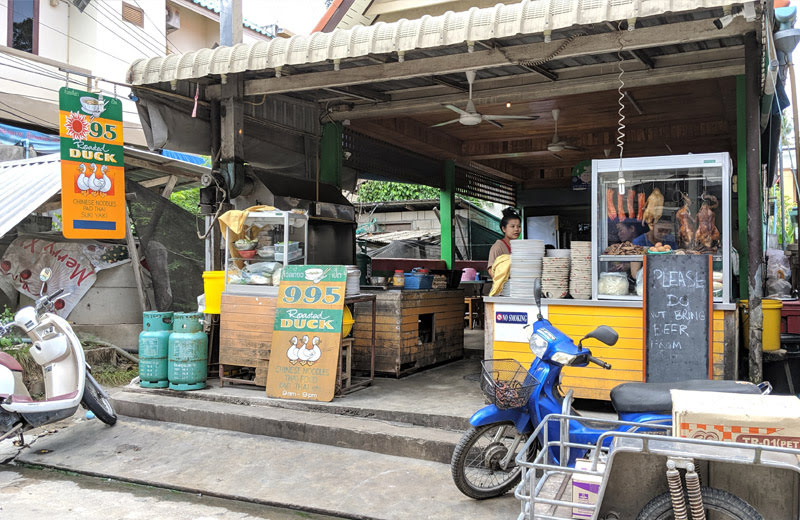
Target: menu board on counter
678,317
307,335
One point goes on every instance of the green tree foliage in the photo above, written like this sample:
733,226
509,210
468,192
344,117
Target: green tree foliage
188,199
380,191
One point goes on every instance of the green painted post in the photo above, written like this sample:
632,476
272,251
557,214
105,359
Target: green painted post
330,160
446,212
741,183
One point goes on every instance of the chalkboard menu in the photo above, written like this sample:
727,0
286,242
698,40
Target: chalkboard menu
678,321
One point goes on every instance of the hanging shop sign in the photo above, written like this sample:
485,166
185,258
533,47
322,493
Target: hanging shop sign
92,165
308,333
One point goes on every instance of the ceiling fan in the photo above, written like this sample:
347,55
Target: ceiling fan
558,145
471,117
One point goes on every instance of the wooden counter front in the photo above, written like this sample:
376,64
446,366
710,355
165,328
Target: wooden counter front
414,329
245,332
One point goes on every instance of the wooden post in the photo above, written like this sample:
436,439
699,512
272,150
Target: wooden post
741,183
752,62
135,262
330,151
446,213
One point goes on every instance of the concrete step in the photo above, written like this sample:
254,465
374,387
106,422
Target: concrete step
312,477
321,427
439,418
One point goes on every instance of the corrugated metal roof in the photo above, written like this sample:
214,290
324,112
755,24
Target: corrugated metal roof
428,32
25,185
386,238
213,5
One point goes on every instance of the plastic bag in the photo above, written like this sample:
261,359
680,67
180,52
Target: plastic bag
778,288
778,267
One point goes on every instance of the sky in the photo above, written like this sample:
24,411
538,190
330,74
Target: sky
297,16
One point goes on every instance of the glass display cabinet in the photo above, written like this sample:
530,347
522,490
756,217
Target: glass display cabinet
676,205
270,241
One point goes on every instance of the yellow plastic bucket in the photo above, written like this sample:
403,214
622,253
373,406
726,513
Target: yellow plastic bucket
771,334
213,285
347,321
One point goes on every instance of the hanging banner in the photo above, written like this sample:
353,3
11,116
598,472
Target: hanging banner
92,166
308,333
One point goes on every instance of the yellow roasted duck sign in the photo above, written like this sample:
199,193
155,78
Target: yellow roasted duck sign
92,165
308,332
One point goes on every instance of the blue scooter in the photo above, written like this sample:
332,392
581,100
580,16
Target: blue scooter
483,461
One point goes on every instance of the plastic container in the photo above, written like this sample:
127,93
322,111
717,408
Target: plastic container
280,247
399,279
188,353
153,349
790,317
347,321
213,285
771,334
468,274
416,280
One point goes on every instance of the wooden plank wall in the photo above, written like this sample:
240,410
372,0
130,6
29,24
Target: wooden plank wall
626,356
398,347
245,332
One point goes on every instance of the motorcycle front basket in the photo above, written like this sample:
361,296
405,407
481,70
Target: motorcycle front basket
506,383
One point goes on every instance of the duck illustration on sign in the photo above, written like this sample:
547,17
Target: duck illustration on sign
94,182
310,354
292,352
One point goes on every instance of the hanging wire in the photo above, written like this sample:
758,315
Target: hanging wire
621,120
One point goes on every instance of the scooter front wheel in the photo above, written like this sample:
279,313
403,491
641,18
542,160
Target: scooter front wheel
96,400
477,463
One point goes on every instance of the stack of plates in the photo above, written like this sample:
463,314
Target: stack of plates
353,284
580,277
559,253
506,290
555,276
526,266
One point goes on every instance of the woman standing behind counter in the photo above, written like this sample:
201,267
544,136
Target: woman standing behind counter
511,226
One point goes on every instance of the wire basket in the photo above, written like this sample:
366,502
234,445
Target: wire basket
506,383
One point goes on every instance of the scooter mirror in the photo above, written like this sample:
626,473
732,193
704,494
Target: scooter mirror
603,334
537,291
45,274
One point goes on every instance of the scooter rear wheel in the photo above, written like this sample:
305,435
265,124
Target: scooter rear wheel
726,505
96,401
476,461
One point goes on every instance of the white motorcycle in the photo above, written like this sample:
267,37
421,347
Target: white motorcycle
68,382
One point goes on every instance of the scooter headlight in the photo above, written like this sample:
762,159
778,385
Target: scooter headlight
538,345
562,358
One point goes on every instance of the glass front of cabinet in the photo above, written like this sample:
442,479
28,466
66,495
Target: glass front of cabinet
676,205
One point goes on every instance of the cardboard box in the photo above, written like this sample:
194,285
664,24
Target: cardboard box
771,420
585,488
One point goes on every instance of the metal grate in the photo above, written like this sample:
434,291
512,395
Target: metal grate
480,186
133,14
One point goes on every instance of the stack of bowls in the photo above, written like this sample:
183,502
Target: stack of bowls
555,277
526,266
580,276
353,284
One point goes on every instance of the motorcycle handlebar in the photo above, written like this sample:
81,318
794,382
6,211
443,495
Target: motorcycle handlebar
600,362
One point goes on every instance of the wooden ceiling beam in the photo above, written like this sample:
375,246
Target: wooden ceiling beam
662,35
564,87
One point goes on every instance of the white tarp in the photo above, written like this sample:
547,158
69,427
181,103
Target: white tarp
74,265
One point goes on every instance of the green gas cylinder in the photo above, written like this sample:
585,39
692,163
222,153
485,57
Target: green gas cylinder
153,347
188,352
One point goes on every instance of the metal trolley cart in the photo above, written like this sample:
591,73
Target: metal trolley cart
634,472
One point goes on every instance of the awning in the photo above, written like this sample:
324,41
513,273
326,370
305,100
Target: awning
25,185
428,32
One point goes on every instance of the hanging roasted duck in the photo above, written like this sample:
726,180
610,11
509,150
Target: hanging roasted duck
654,208
611,210
707,235
687,224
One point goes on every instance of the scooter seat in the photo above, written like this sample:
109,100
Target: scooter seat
9,362
655,397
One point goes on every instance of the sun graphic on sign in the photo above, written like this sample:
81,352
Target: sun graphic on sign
76,126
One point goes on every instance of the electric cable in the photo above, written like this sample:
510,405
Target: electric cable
121,26
621,120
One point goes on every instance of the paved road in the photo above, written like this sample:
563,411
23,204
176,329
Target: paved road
34,494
